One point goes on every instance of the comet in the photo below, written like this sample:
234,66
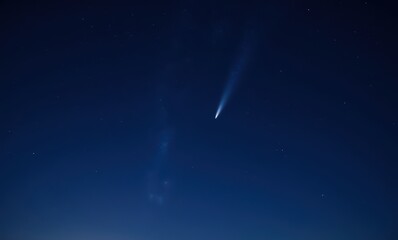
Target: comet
233,77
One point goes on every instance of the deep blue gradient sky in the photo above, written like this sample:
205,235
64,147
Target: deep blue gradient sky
108,130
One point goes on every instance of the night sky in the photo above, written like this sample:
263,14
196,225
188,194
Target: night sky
108,129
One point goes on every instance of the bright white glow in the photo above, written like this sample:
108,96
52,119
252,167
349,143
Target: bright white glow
218,111
224,98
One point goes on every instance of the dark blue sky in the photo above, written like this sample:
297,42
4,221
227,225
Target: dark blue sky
108,129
